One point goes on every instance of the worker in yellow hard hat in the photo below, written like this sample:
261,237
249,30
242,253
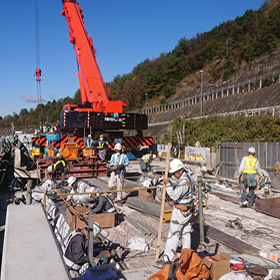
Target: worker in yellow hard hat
101,146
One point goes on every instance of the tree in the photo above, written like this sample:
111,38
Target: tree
23,111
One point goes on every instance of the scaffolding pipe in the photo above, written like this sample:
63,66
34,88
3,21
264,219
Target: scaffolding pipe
90,239
200,204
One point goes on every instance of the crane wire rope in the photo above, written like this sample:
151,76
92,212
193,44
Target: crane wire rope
37,36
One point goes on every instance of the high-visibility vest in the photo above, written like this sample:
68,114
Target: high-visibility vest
144,159
62,161
250,165
101,145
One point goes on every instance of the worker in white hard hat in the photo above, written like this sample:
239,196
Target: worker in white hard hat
145,162
75,252
248,169
182,197
89,142
200,172
118,163
80,187
105,203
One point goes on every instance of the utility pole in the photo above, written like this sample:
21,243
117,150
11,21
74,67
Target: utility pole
146,101
201,92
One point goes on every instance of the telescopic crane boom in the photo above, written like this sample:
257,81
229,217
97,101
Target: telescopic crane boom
96,113
93,89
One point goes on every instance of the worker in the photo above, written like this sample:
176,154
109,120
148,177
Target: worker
205,187
62,166
157,193
25,142
118,163
101,146
248,169
80,187
182,197
201,172
105,203
145,162
16,139
89,142
75,253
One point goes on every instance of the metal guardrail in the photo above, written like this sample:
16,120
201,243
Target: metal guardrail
275,110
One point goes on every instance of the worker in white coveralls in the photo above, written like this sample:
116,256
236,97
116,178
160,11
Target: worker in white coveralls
118,163
182,197
248,169
80,187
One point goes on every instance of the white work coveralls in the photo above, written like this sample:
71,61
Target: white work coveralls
117,176
82,188
38,191
179,224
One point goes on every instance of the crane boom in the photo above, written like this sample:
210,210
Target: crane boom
92,86
96,113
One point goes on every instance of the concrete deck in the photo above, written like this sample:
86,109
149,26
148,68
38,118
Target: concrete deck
39,258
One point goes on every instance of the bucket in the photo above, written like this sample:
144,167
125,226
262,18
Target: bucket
51,153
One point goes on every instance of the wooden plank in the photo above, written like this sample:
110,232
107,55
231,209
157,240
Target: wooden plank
163,201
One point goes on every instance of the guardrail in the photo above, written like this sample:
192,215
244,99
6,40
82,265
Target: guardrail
275,110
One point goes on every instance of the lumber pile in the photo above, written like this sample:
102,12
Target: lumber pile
149,208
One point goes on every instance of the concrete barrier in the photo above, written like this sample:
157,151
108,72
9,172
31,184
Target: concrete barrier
30,249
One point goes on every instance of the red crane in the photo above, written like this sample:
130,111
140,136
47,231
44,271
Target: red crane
92,86
96,113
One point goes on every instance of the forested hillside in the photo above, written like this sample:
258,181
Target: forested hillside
220,53
224,50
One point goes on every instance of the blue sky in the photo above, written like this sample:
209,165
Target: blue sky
124,32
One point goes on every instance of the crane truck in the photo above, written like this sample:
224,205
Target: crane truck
97,114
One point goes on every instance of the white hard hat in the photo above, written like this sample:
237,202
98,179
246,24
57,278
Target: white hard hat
203,169
175,165
89,136
154,156
251,150
96,229
118,146
97,191
71,180
49,169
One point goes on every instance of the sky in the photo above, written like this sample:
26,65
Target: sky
124,33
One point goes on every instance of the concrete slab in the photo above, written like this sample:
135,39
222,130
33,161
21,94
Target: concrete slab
30,250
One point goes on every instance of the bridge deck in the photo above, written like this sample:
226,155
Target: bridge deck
30,250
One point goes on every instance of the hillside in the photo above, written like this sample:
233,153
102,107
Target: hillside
242,54
221,53
268,96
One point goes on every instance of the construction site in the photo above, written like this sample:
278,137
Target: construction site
96,195
240,240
